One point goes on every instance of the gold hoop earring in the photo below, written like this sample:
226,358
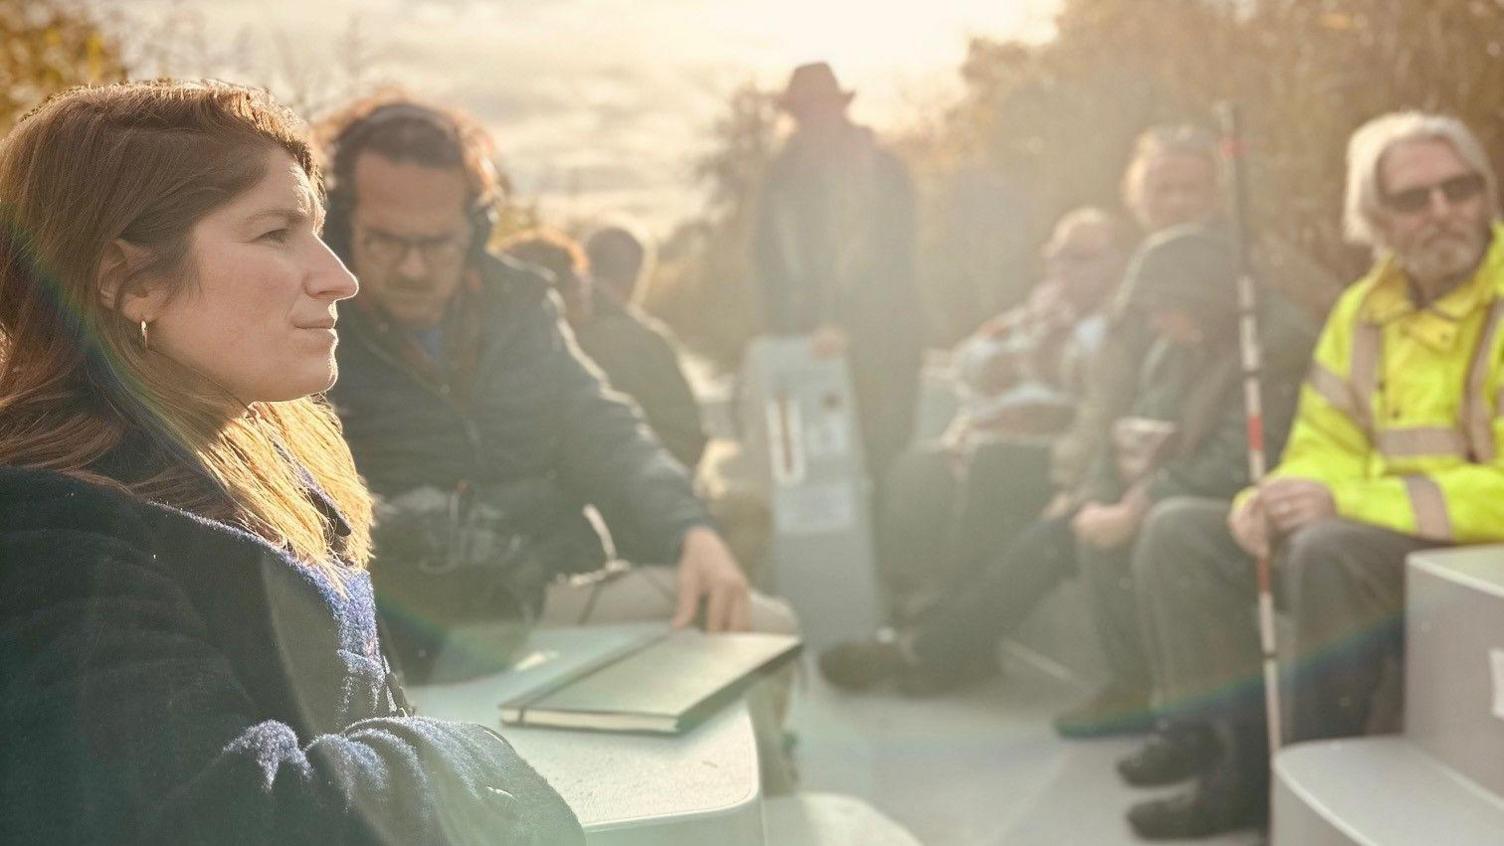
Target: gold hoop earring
145,337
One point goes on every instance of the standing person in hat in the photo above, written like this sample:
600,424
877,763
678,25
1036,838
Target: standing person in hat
835,256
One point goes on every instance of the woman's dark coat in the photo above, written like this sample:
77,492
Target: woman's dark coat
168,679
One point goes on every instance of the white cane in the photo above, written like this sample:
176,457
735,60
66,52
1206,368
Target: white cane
1252,361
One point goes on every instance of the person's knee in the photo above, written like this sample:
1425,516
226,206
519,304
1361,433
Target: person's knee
1323,565
1311,546
1170,532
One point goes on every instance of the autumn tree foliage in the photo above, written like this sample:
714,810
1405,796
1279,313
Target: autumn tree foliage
703,285
46,46
1043,127
1055,122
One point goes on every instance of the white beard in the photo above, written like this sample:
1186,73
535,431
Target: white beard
1444,259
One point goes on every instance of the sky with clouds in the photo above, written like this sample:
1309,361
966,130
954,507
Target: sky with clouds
599,106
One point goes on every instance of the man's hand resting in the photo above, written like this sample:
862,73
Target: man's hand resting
1250,526
1280,507
1292,503
708,572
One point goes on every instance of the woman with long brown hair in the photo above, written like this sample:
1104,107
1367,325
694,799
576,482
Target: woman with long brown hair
188,649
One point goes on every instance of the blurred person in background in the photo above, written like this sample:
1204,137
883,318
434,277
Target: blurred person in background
190,651
564,265
1179,429
953,502
1171,180
834,257
619,260
1396,448
637,353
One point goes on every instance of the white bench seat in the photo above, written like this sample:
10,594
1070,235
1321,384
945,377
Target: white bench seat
1378,791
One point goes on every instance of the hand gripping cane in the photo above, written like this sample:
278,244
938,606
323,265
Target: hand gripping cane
1252,360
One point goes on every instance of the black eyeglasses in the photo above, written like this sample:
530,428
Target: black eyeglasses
386,249
1458,189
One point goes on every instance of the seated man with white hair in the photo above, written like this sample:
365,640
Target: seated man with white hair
1396,447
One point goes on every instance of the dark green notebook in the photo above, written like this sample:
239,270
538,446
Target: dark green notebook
665,685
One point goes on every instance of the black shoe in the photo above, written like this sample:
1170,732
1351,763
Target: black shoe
1171,755
1116,709
1226,799
861,664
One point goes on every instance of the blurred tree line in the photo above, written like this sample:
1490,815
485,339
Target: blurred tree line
48,45
1038,128
1041,128
702,283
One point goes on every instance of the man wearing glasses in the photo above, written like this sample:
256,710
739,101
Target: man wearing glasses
485,434
1396,447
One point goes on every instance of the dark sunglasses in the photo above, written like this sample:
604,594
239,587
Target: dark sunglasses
1458,189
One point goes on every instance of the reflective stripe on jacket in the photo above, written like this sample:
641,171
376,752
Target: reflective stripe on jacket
1400,415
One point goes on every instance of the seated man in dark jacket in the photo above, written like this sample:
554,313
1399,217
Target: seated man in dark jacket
473,417
1181,429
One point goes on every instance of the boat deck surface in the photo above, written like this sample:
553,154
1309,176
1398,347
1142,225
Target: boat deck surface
975,768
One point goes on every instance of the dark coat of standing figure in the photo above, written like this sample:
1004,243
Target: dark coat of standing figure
188,644
835,256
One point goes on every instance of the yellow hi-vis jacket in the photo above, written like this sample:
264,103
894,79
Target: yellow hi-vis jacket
1400,416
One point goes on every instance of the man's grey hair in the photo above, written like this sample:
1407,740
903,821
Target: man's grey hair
1365,153
1184,139
1170,139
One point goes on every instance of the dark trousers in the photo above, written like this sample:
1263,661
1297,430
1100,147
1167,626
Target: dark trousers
960,634
942,520
1341,583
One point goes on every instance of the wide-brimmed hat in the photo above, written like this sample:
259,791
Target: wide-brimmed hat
813,83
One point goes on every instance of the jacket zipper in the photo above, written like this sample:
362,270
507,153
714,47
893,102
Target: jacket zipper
472,434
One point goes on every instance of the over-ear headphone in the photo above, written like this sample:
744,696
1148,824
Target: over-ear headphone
347,145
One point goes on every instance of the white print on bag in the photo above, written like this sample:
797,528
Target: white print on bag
815,509
786,440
